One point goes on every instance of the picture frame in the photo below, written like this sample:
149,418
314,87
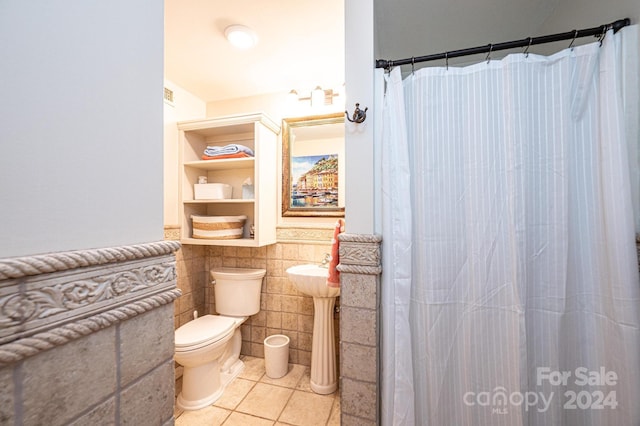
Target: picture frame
313,157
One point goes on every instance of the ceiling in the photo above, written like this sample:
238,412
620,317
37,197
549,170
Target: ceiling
300,46
301,42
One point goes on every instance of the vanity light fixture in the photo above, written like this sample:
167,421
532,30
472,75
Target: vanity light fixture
317,97
240,36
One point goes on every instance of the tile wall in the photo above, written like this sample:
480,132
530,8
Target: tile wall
193,276
107,377
80,354
360,268
284,310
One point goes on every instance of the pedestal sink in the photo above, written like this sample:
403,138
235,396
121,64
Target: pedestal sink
312,281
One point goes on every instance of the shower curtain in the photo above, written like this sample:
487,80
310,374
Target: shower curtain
510,288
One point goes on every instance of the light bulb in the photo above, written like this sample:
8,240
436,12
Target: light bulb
317,96
241,36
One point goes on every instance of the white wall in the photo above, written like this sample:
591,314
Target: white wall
81,124
359,71
186,106
275,105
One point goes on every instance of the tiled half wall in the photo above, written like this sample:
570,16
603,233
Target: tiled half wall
360,269
86,337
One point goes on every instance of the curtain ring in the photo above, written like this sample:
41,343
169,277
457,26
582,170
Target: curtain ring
575,34
488,58
413,64
446,59
604,33
526,50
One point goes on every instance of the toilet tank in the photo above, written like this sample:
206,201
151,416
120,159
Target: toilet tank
237,290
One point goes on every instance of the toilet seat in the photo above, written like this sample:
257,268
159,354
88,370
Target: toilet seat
203,331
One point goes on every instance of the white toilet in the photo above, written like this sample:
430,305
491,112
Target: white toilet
209,346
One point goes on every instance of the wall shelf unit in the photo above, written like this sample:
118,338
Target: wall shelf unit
258,132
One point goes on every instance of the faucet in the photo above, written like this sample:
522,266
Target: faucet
325,261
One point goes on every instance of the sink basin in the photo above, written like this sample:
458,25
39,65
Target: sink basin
312,281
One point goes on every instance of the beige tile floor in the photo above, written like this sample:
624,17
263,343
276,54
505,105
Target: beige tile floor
255,399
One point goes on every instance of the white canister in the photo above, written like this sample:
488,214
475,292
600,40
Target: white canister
212,191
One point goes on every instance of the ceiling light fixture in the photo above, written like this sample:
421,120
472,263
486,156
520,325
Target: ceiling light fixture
241,36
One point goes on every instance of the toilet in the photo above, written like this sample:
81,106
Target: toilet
209,346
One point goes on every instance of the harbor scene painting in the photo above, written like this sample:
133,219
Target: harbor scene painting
314,181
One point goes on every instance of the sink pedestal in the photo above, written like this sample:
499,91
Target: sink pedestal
323,351
311,280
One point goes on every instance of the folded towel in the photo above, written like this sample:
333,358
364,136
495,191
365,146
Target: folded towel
222,157
234,148
333,280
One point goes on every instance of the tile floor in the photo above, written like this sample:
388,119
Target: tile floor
255,399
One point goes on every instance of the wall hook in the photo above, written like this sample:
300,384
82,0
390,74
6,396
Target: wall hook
358,115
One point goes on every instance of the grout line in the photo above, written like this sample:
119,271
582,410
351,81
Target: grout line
118,360
245,395
293,390
18,400
285,405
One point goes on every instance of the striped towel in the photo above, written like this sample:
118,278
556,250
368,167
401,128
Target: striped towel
333,280
223,156
234,148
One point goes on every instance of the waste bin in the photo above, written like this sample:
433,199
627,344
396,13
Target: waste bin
276,355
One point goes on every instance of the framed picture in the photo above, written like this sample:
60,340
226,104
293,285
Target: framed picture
313,166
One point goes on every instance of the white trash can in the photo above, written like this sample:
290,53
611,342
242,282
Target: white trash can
276,355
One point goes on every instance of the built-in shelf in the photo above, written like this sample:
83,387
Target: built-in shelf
226,164
258,132
227,201
240,242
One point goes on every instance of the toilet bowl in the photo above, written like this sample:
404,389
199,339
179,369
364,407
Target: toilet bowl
208,347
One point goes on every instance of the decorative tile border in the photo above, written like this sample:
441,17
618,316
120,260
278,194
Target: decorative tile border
22,348
172,232
360,254
289,234
17,267
47,300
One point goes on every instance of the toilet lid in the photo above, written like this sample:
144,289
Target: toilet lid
207,328
237,273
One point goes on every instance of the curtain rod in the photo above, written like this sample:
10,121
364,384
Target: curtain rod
526,42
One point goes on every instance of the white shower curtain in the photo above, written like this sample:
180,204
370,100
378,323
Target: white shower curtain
510,288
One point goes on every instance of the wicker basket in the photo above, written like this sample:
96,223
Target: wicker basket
218,227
